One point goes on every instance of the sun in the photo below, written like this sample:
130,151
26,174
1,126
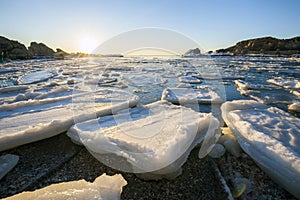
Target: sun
87,44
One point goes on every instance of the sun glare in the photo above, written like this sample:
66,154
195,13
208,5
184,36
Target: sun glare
87,44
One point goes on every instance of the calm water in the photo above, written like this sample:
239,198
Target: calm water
147,77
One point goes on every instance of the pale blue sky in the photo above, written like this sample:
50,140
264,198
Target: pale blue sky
213,24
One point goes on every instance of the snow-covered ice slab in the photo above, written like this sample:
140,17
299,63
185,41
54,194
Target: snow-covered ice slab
270,136
28,121
13,88
156,138
293,84
37,76
243,85
187,96
104,187
7,163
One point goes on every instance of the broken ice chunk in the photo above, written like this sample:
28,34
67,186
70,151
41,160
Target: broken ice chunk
38,76
295,107
7,163
270,136
104,187
157,138
28,121
13,88
189,96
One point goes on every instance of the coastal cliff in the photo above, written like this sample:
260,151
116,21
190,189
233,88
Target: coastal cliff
40,49
11,49
265,45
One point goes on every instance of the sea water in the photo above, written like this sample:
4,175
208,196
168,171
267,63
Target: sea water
147,77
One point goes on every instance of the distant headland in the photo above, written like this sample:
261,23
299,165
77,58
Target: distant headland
263,46
11,49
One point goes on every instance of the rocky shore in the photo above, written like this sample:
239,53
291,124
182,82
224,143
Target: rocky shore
57,159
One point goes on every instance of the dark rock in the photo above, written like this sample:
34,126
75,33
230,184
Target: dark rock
13,49
60,54
60,51
40,49
265,45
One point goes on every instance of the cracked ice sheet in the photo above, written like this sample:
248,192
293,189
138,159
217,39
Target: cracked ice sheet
270,136
104,187
29,121
156,138
38,76
187,96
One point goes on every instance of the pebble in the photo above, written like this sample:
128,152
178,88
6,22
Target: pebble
217,151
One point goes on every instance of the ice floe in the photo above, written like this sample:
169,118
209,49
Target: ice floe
264,93
143,79
270,136
38,76
189,79
154,140
13,88
188,96
293,84
104,187
295,107
28,121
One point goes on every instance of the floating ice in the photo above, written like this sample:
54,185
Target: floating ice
104,187
7,163
268,94
28,121
229,142
143,79
37,76
156,139
189,79
13,88
294,84
187,96
295,107
270,136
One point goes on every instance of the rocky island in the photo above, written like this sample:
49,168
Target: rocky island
264,45
11,49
